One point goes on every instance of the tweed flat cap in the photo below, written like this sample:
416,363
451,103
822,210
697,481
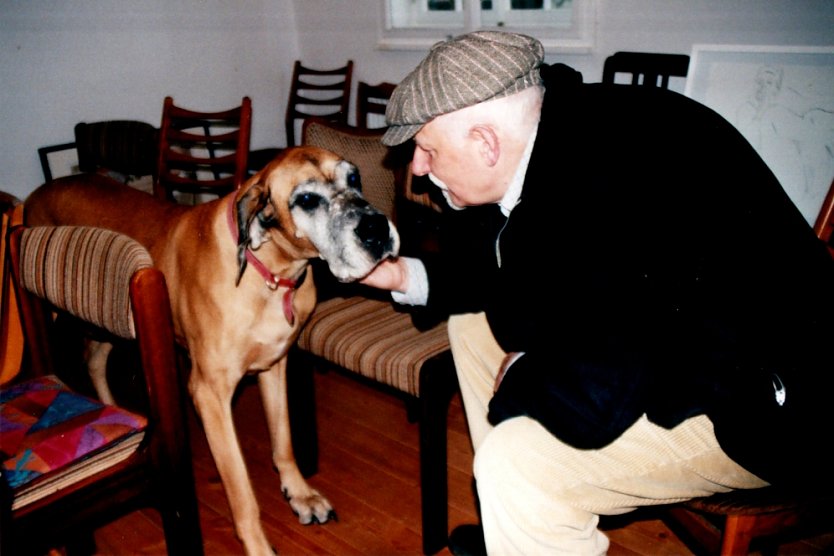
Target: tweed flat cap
460,72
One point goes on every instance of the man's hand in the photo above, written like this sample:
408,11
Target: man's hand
390,274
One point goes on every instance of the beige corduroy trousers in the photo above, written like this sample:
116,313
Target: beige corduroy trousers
541,496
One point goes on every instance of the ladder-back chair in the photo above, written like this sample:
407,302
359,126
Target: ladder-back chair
202,151
371,101
647,69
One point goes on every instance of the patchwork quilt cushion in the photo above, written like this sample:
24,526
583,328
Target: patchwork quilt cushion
45,427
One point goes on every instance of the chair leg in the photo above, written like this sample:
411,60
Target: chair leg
738,532
301,398
181,519
438,383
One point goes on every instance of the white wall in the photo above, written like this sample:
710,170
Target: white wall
65,61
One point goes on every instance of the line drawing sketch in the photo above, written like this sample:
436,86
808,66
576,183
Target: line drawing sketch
783,104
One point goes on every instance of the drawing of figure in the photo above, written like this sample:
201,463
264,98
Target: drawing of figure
791,133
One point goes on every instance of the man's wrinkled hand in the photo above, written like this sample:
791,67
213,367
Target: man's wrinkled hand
390,275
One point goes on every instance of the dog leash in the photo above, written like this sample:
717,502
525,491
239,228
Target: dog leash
273,282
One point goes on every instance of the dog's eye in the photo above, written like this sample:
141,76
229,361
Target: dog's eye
307,201
354,181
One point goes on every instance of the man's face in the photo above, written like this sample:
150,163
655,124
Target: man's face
451,158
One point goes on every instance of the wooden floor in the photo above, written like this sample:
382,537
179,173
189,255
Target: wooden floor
369,469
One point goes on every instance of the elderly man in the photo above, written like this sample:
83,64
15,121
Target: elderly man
637,306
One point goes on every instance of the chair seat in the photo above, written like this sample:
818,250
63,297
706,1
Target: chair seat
759,501
373,338
53,438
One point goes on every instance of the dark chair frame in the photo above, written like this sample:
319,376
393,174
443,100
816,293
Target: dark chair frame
646,67
128,147
176,169
326,91
44,155
371,99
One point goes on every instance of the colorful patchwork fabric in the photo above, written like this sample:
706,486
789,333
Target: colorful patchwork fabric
44,426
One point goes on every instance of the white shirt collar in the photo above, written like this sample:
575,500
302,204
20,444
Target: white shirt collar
513,194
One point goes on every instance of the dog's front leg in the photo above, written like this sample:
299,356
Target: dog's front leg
96,356
306,502
213,401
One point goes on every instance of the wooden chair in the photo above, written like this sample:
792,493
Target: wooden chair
47,153
202,152
360,331
728,523
106,281
125,150
322,93
125,146
646,68
372,99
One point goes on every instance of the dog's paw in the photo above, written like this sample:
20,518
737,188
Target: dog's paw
311,508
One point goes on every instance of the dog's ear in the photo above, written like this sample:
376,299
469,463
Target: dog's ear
255,215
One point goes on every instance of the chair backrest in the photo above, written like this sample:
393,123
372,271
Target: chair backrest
86,272
646,68
126,147
202,152
824,225
324,93
377,170
372,99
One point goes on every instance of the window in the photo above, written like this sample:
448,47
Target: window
561,25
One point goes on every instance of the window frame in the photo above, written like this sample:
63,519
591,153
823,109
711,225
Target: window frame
577,38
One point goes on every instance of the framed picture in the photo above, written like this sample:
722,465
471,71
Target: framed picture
782,101
58,161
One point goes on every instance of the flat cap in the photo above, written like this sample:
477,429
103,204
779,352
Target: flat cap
460,72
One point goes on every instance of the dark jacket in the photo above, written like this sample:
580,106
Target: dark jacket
653,266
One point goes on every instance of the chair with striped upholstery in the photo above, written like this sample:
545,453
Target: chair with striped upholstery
362,332
64,476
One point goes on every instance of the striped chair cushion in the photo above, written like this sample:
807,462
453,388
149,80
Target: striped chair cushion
371,338
85,271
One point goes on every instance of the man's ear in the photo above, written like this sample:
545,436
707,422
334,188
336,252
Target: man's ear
489,145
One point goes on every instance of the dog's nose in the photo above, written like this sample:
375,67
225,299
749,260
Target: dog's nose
374,234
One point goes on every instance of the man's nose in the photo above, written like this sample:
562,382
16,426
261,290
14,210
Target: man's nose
419,164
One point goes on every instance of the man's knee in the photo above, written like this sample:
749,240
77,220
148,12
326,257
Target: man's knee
502,452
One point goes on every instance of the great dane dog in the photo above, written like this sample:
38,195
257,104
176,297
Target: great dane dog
241,287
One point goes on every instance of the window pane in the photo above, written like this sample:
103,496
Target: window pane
441,5
562,25
526,4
